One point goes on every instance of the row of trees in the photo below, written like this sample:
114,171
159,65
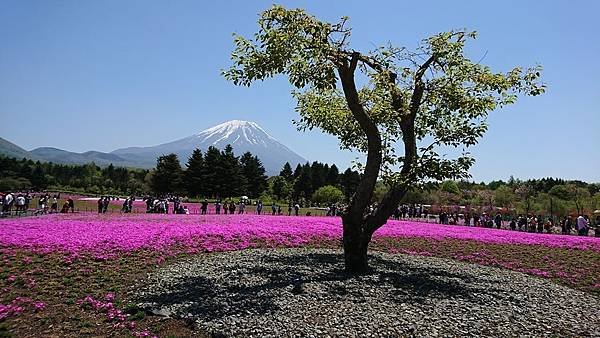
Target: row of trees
547,196
303,183
26,174
214,174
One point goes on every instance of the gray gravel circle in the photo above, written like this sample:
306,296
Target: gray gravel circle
304,292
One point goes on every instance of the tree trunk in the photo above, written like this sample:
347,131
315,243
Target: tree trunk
356,243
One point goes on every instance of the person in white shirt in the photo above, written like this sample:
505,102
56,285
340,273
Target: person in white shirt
582,225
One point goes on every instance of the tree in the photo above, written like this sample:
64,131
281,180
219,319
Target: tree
193,174
526,194
280,187
231,178
333,176
450,187
328,195
254,173
212,173
435,93
167,178
286,172
349,181
303,184
38,177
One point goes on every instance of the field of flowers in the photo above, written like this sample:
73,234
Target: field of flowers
69,274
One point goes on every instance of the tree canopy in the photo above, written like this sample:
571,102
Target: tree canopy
412,105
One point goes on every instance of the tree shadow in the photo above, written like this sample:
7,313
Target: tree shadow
278,277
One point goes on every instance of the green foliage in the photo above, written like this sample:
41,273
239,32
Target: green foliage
193,177
25,174
349,181
450,187
254,173
328,195
444,93
168,175
280,188
286,172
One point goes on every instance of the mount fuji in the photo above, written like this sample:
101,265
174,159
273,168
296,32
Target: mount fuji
242,135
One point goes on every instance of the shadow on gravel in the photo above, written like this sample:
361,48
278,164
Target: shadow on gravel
287,275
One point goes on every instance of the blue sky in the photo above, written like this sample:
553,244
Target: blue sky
100,75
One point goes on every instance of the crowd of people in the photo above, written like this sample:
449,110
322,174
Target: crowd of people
20,203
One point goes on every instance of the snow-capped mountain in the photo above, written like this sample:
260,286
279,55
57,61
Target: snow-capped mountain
242,135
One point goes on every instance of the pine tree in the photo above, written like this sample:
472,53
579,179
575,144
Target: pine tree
193,180
333,176
286,172
38,177
297,171
167,177
303,184
212,176
234,182
254,173
349,182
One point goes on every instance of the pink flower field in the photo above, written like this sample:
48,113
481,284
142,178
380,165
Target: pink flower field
119,233
76,268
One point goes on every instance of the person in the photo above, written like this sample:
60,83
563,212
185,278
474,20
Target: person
105,204
296,209
100,204
279,211
397,213
54,205
242,206
231,208
9,199
540,224
125,206
597,230
65,208
498,221
204,207
20,203
568,225
513,224
185,210
71,204
218,207
548,225
259,207
273,209
581,226
290,209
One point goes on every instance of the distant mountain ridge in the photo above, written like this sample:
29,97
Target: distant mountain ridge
242,135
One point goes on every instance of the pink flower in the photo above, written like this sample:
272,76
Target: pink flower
39,305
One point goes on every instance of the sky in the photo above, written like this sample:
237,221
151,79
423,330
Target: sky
102,75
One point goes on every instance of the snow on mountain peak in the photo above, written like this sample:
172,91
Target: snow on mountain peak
245,130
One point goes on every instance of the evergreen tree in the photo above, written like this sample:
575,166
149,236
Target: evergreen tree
333,176
38,177
234,182
280,187
349,182
167,177
286,172
297,171
193,180
303,184
254,173
317,175
212,175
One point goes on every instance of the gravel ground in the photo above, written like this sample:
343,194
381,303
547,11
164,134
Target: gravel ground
305,293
